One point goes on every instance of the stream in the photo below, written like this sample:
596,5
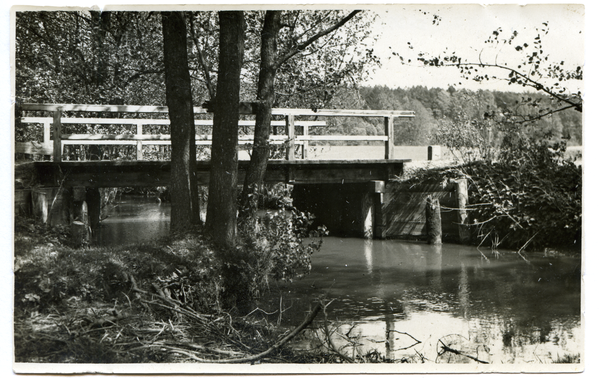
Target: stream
410,301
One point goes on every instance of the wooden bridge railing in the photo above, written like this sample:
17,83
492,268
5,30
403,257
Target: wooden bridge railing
140,139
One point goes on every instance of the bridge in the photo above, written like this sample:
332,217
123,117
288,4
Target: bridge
67,165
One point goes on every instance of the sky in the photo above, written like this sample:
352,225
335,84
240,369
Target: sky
411,29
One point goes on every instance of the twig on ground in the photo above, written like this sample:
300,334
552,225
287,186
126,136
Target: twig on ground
307,321
260,310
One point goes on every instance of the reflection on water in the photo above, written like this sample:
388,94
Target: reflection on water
133,220
389,295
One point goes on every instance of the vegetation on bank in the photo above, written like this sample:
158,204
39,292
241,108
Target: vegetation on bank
528,196
173,300
155,302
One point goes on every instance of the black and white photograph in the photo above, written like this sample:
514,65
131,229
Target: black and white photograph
294,188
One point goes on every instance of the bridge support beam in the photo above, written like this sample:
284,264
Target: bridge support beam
85,206
51,205
379,224
372,211
78,207
354,210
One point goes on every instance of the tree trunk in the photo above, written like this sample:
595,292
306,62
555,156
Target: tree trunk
270,61
221,214
184,184
266,95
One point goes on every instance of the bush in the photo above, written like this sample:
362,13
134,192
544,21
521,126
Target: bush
273,244
531,193
52,273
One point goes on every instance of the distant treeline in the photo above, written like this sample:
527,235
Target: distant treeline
433,106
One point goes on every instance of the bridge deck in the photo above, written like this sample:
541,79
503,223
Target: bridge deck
157,173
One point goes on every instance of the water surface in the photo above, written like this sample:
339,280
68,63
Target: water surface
133,219
500,309
388,295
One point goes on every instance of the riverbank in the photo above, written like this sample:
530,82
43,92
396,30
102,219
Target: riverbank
142,303
158,302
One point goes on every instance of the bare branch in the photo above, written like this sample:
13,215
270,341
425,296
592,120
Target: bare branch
538,117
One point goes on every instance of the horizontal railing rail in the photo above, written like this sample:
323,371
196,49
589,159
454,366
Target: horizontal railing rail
55,124
200,110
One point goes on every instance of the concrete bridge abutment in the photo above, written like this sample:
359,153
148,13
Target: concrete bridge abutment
78,207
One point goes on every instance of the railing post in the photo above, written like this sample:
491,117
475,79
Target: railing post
47,125
57,130
305,144
291,133
139,153
389,132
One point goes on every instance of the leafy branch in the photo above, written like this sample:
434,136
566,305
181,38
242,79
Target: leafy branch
534,70
513,77
292,52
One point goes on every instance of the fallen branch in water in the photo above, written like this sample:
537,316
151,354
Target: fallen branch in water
330,345
525,246
407,334
482,240
446,348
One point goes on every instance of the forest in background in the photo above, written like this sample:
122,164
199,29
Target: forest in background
435,108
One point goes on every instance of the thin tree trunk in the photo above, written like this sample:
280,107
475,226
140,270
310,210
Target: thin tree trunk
184,184
270,61
221,215
266,95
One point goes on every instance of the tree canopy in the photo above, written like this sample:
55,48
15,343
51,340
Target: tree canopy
116,57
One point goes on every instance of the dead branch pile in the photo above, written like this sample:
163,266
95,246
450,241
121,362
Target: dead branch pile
146,326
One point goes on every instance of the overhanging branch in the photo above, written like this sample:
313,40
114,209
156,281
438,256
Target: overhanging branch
287,56
529,81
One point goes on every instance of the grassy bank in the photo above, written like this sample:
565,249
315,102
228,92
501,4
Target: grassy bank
155,302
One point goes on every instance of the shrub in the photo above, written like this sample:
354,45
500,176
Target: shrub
273,244
531,193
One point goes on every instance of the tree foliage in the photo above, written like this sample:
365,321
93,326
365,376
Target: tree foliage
89,57
116,57
535,71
